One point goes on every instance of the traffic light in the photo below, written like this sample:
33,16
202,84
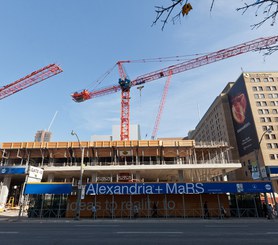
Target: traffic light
186,8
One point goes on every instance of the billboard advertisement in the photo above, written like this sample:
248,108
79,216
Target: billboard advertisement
246,135
152,188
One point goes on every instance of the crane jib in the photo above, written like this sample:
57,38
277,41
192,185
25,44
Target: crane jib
255,45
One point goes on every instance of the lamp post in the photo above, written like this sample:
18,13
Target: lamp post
79,190
269,131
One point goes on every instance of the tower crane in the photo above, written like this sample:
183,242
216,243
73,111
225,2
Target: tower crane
29,80
125,84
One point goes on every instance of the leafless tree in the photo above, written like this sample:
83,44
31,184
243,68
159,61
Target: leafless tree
173,11
267,9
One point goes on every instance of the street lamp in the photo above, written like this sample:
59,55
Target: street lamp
79,190
269,131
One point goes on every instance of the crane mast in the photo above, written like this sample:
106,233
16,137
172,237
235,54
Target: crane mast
161,106
29,80
125,84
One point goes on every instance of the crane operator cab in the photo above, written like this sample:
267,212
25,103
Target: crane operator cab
81,96
125,84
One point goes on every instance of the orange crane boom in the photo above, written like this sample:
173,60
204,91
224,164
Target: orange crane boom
125,84
29,80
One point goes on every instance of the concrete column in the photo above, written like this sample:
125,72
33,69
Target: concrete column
181,177
94,177
137,175
225,177
50,178
4,192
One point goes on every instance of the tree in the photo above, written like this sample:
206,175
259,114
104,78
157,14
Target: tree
175,10
267,10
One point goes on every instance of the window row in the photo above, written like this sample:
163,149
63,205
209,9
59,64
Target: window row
267,111
272,145
273,156
264,103
262,96
258,80
267,88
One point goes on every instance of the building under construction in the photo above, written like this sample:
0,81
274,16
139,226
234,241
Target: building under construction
141,172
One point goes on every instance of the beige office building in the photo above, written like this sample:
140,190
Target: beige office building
245,115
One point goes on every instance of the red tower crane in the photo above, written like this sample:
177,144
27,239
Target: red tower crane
29,80
161,105
125,84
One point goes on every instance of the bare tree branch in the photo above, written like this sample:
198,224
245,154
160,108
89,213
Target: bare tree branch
162,11
267,8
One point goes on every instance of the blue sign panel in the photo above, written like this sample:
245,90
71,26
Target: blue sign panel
272,170
48,188
177,188
12,170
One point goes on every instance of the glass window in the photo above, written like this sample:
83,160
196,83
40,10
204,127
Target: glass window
273,88
256,96
262,119
273,136
261,96
270,96
260,88
258,103
269,146
266,136
272,103
265,79
264,103
254,89
271,79
274,111
267,88
258,80
272,156
260,111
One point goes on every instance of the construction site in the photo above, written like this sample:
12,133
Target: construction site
166,178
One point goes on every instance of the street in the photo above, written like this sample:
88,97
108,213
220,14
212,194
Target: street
42,232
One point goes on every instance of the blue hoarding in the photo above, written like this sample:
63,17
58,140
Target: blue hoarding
48,188
177,188
12,170
152,188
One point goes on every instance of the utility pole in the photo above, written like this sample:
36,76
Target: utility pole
79,186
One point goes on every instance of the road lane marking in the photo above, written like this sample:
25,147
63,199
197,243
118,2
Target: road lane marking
149,232
97,225
9,232
226,226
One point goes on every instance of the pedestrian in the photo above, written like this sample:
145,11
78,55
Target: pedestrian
94,211
264,210
223,212
154,210
135,211
269,211
206,212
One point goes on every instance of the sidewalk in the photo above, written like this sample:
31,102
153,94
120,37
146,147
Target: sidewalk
12,216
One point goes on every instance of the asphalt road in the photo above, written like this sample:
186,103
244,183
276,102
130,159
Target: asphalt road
139,232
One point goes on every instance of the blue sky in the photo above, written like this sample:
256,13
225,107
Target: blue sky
86,38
